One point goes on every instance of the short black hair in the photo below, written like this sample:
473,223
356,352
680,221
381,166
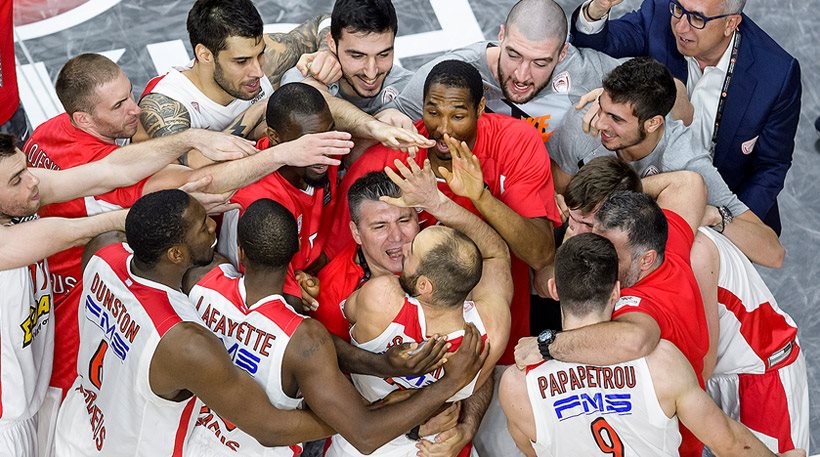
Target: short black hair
155,223
586,269
455,73
639,217
596,180
369,188
363,16
212,22
291,102
644,83
268,235
8,144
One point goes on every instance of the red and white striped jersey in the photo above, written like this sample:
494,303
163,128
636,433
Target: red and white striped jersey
26,341
256,337
205,113
409,326
598,410
756,336
110,409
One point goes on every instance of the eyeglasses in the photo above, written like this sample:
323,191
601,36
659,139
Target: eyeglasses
696,20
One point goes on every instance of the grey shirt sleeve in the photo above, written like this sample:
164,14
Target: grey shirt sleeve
292,76
569,146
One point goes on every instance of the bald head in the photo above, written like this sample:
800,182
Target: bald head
538,20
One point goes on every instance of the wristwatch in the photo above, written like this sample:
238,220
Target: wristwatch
726,217
545,338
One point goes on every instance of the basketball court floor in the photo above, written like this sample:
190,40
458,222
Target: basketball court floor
145,37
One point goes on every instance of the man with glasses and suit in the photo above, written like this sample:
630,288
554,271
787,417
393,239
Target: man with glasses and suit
744,87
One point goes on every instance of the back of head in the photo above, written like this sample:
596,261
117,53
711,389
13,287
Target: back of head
639,217
156,223
456,74
596,180
453,265
7,145
538,20
212,22
363,16
644,83
586,269
733,6
79,80
292,102
267,234
370,187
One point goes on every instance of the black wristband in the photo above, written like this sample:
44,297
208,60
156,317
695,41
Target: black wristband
413,434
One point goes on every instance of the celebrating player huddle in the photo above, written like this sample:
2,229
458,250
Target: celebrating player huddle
368,285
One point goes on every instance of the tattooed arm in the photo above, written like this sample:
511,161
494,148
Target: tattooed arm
282,50
162,116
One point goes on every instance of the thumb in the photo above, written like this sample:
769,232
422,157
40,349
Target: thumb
445,173
393,201
197,185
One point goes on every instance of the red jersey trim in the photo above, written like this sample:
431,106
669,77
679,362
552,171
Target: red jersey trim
151,85
182,429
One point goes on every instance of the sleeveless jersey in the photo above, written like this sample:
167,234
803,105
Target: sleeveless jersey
110,410
205,113
591,411
409,326
312,208
256,337
756,336
26,341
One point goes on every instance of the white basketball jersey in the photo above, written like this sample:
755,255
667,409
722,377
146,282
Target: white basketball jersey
599,411
256,337
755,334
409,326
26,341
110,410
205,113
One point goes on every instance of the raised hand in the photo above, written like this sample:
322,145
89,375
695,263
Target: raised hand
314,149
309,286
591,99
466,179
323,66
398,138
600,8
527,353
418,185
213,203
219,146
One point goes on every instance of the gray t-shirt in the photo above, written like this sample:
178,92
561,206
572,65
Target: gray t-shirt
581,71
394,83
571,148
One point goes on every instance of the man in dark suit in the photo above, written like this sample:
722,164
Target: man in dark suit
711,44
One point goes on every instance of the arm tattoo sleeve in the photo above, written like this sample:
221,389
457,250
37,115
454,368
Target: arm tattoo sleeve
163,116
284,49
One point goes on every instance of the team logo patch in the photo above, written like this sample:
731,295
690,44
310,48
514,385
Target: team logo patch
195,106
561,83
36,319
650,171
389,94
629,300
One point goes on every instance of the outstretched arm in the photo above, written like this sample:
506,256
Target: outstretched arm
683,192
282,50
29,242
515,401
191,358
128,165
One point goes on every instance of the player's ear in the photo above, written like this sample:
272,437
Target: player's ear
240,254
564,51
176,254
552,289
272,135
480,108
203,54
424,286
81,119
653,123
501,33
648,259
354,230
331,43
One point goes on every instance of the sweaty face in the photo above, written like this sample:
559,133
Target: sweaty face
366,59
19,189
383,232
238,67
706,43
618,125
450,110
200,238
525,67
116,114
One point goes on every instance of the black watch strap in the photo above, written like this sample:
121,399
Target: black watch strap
413,434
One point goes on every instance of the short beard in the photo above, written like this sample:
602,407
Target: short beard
408,284
506,92
219,79
317,182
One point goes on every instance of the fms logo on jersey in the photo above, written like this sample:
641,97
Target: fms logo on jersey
575,405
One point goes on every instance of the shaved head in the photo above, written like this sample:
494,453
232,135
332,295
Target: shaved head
538,20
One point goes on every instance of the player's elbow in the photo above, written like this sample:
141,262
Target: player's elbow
365,443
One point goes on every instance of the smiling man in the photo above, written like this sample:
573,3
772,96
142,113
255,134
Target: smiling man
750,125
519,202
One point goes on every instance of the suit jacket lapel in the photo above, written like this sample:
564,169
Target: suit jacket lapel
741,89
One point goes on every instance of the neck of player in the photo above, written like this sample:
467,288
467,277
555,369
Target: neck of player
262,283
165,273
644,148
443,320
